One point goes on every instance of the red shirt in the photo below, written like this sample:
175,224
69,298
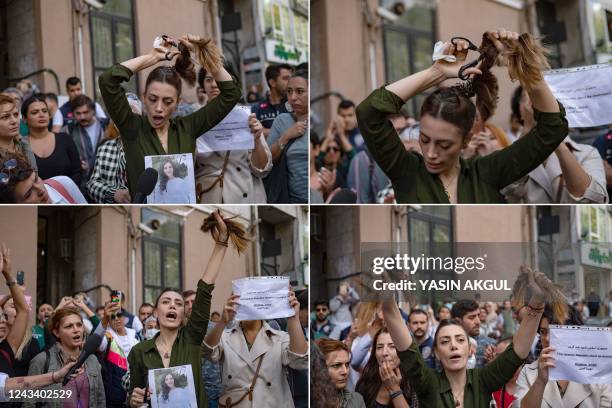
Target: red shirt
508,398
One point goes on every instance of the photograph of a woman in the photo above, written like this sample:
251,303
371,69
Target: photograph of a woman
175,179
173,388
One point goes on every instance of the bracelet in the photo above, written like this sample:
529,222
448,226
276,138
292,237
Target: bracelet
395,394
11,283
281,146
52,377
223,243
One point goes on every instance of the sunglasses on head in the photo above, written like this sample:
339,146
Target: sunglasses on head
5,175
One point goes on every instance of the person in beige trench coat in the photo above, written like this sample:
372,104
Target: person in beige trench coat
249,344
235,176
534,389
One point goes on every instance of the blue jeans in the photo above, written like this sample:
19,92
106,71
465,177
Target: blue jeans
213,403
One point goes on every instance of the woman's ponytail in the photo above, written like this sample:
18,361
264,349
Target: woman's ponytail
184,67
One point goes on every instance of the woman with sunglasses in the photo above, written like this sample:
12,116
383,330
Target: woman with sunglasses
117,342
20,184
336,154
440,175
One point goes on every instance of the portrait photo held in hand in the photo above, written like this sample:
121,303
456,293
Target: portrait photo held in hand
175,180
172,387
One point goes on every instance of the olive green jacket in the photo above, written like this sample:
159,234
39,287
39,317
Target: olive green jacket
480,178
434,390
139,137
187,348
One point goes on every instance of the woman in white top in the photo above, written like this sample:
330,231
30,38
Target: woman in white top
255,358
233,176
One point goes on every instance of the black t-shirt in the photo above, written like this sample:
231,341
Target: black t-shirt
7,359
266,112
21,366
64,161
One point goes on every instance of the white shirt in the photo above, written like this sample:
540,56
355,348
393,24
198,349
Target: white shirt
68,184
127,341
58,119
100,112
93,132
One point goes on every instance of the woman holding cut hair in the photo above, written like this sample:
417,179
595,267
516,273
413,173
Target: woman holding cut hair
440,175
176,345
456,385
156,133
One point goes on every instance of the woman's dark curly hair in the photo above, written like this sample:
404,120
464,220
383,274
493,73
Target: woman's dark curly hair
525,59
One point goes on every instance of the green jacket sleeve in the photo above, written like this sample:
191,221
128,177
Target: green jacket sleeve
138,372
198,322
422,378
515,161
498,372
380,136
214,111
116,101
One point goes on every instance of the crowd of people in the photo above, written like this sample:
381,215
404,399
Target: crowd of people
377,153
82,152
459,353
245,364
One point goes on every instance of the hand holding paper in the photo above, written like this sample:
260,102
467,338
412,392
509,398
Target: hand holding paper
584,354
264,298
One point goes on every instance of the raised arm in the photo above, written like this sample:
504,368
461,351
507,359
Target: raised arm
220,235
229,312
395,324
297,340
20,325
531,313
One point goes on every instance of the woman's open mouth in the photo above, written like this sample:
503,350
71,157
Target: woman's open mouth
455,358
171,316
157,119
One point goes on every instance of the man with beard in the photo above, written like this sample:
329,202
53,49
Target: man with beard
87,132
321,326
419,327
467,312
38,331
277,77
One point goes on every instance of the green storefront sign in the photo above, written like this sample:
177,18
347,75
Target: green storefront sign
600,258
286,54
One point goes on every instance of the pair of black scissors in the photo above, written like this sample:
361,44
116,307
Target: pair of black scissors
471,46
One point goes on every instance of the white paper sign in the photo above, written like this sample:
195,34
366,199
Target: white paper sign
175,179
585,92
262,298
583,354
172,387
232,133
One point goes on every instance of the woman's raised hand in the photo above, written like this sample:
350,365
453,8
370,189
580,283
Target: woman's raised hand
188,40
219,232
255,125
163,51
545,361
501,36
5,261
451,69
390,377
229,310
293,302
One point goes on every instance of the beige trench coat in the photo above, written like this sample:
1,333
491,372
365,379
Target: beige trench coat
238,366
542,184
242,181
576,395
